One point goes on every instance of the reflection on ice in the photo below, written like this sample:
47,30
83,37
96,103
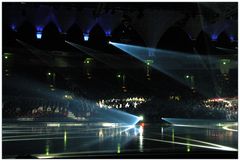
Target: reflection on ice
141,139
114,138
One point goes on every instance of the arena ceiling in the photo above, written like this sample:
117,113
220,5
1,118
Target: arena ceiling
212,17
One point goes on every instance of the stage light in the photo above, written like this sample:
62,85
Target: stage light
187,76
39,35
140,118
6,57
119,75
149,62
86,37
108,33
214,37
109,42
88,60
49,73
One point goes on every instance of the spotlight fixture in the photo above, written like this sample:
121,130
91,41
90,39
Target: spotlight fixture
39,35
140,118
214,37
86,37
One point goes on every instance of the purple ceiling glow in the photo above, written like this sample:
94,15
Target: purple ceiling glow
150,27
40,16
86,20
65,18
109,22
39,28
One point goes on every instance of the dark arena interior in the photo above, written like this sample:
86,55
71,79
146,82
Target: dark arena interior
120,80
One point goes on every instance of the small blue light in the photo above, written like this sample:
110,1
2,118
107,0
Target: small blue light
231,38
108,33
39,35
13,27
39,28
86,37
214,37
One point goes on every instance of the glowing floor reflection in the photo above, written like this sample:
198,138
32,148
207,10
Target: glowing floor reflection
54,140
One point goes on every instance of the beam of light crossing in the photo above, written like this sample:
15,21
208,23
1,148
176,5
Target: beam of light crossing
172,63
98,55
223,148
113,62
197,141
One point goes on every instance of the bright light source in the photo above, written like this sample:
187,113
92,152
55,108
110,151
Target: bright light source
119,75
49,73
108,33
39,35
214,37
224,63
88,60
149,62
140,118
187,76
109,42
6,57
86,37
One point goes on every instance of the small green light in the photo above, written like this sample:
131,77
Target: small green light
224,63
119,75
6,57
187,76
88,60
49,73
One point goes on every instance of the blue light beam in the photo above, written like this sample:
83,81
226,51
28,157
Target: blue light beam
171,63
